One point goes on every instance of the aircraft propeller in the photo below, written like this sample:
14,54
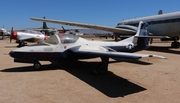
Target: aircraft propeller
11,34
151,40
64,30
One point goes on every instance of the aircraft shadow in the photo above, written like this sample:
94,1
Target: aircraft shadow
29,69
163,49
10,46
109,83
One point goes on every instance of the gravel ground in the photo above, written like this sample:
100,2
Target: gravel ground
144,81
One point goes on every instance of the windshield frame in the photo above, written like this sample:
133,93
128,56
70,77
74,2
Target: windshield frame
53,40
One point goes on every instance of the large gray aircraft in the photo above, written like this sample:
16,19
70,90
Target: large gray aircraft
159,25
162,25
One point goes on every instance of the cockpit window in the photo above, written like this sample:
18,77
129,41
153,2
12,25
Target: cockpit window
33,32
52,40
68,38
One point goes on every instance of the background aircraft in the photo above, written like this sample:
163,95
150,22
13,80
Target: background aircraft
159,25
29,36
71,47
4,32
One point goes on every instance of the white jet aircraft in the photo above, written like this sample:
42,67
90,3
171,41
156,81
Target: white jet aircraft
71,47
29,36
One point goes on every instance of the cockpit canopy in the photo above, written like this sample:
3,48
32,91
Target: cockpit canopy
64,39
68,38
33,32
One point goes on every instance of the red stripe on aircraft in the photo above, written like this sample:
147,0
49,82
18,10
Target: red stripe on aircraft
45,37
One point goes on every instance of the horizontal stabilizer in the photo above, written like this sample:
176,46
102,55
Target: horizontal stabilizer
151,36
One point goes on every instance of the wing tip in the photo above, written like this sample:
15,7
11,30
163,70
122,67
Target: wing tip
162,57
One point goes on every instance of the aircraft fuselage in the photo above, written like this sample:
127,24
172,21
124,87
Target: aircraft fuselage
165,24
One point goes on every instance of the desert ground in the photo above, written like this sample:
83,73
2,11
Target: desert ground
127,81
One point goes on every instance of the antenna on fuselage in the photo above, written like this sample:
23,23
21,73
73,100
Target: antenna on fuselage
160,12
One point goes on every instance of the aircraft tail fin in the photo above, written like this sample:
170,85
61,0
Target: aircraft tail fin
45,25
140,39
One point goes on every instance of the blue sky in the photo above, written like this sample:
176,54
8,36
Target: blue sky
17,13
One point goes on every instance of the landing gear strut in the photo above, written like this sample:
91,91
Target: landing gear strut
175,44
116,37
1,33
103,66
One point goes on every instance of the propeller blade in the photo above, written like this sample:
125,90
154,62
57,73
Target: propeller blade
151,40
11,34
63,29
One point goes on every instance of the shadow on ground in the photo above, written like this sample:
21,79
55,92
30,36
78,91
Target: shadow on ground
109,83
167,49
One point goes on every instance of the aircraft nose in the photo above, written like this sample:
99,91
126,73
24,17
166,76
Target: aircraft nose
12,54
14,35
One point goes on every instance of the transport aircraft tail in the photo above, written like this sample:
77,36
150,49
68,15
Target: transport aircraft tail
44,24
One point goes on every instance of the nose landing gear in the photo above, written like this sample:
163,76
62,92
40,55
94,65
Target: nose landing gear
37,65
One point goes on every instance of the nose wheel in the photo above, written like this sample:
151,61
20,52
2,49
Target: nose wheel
175,44
37,65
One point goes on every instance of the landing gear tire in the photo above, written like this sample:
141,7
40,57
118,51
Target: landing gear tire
37,65
175,44
21,43
100,70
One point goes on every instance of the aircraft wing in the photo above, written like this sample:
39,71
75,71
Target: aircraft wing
98,27
99,51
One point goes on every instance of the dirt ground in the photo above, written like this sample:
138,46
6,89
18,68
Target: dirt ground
127,81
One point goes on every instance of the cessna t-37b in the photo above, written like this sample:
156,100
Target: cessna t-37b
70,47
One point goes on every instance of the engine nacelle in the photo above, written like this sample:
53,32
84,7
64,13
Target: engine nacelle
128,27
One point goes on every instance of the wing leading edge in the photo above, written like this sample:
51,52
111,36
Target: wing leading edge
98,27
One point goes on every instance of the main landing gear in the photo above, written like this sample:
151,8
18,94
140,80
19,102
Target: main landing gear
21,43
175,44
102,67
